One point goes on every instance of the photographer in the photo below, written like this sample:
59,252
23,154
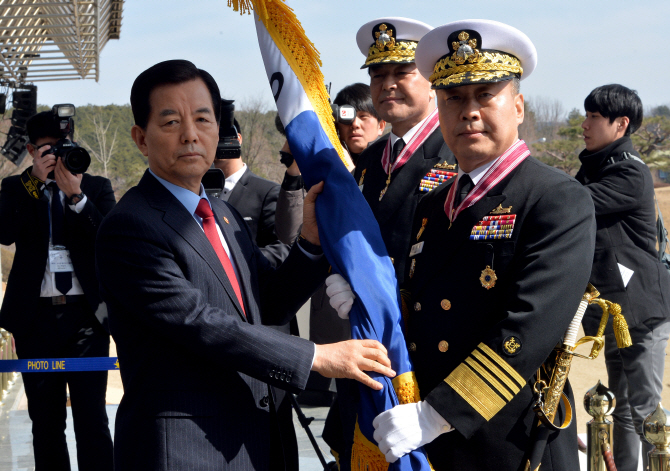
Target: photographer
52,306
366,127
254,197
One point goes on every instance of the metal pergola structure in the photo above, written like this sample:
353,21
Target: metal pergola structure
47,40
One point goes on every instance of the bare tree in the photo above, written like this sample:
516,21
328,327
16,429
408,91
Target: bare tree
549,115
255,126
102,152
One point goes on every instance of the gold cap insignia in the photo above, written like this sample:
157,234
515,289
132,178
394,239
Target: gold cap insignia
466,49
387,49
501,210
468,62
512,345
384,37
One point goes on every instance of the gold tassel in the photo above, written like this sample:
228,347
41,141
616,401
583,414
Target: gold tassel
303,57
365,455
620,325
243,6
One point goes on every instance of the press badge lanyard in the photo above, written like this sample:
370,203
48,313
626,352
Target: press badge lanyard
59,256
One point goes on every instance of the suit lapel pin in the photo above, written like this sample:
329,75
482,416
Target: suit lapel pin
488,277
225,219
501,210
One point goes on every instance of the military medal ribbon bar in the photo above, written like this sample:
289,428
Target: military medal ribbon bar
499,170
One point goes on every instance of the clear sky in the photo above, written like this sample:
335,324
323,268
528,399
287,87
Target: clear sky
581,44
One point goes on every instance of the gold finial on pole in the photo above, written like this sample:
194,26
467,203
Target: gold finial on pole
599,402
657,432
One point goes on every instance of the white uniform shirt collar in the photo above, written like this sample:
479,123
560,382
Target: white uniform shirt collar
232,180
409,134
477,173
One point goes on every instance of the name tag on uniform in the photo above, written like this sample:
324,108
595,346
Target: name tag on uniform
59,261
416,249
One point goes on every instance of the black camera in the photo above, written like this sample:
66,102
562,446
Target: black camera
343,114
76,159
229,146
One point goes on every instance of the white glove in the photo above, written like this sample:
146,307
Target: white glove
407,427
340,294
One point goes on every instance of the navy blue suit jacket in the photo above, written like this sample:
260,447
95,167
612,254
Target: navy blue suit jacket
195,369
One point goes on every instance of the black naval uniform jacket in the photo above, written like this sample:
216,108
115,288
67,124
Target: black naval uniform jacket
395,211
476,350
623,194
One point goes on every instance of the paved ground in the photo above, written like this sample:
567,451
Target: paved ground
16,449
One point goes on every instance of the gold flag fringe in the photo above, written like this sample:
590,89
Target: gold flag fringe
301,54
365,455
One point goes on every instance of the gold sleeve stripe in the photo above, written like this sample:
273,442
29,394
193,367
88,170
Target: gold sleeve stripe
503,364
496,371
489,377
475,391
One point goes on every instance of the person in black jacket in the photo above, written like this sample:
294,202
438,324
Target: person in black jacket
626,266
57,314
256,200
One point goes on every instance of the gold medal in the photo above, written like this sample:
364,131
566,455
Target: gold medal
488,277
423,227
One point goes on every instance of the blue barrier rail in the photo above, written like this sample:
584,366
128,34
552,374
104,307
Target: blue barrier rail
49,365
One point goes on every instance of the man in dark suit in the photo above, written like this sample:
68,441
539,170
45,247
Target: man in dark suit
255,198
626,267
48,211
499,264
187,290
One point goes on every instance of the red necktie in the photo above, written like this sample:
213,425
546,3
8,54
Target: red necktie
209,225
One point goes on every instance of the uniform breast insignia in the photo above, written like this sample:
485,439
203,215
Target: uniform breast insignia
446,166
501,210
512,345
412,267
488,277
494,227
423,228
435,178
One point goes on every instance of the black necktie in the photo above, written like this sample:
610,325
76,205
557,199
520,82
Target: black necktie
397,149
464,186
63,279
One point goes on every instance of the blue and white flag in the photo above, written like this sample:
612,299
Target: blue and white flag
349,233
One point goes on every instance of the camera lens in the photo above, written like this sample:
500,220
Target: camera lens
76,160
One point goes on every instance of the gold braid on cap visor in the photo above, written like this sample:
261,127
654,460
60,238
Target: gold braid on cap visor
484,67
402,51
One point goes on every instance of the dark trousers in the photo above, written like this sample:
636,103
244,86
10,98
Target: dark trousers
636,378
67,331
